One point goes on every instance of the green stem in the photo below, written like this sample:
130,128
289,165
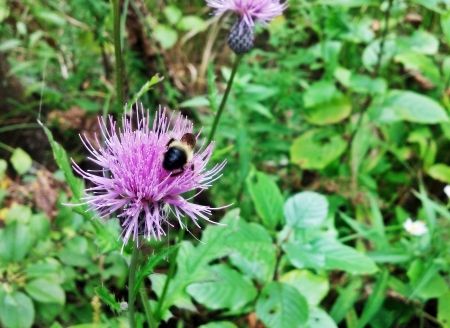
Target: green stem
118,55
131,281
158,314
237,60
148,309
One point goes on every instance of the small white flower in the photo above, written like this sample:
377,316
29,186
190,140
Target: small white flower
124,306
447,190
417,228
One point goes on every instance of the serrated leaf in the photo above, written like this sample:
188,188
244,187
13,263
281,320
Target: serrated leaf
225,289
16,310
305,210
107,297
267,198
45,291
281,305
148,267
21,161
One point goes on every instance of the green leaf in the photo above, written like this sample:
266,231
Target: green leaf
440,172
253,251
15,242
267,198
281,305
303,255
225,289
9,44
426,279
443,314
108,298
347,297
172,13
420,41
341,257
316,149
165,35
3,167
16,310
191,22
318,318
21,161
375,300
371,53
305,210
313,287
148,267
413,107
200,101
45,291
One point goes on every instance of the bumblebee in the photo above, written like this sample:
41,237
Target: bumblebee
179,154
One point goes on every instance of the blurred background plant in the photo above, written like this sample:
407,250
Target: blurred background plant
335,133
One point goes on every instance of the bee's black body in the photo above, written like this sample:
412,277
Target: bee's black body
174,159
178,154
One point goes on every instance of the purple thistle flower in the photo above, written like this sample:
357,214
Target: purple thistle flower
250,10
134,181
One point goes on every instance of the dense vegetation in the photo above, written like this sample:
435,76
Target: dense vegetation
336,135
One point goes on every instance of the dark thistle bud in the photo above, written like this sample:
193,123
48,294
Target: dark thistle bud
241,38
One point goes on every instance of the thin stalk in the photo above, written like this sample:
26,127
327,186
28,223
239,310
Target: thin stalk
148,309
237,60
118,55
169,277
131,281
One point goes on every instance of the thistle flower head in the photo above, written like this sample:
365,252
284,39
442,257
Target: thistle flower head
250,10
133,181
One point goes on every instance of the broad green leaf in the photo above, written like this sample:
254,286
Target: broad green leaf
443,314
43,270
45,291
267,198
191,22
313,287
3,167
304,255
199,101
281,305
366,85
420,41
15,242
165,35
108,298
225,289
375,300
21,161
16,310
253,251
345,258
19,213
306,209
376,218
172,13
413,107
330,112
421,63
9,44
147,268
371,53
347,297
440,172
316,149
318,318
426,279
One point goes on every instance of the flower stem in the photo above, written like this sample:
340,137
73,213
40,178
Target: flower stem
237,60
131,280
148,309
118,55
158,314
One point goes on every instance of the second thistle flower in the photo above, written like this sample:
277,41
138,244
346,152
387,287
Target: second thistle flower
241,37
136,180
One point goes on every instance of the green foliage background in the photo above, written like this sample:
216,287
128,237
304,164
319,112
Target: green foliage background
336,132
